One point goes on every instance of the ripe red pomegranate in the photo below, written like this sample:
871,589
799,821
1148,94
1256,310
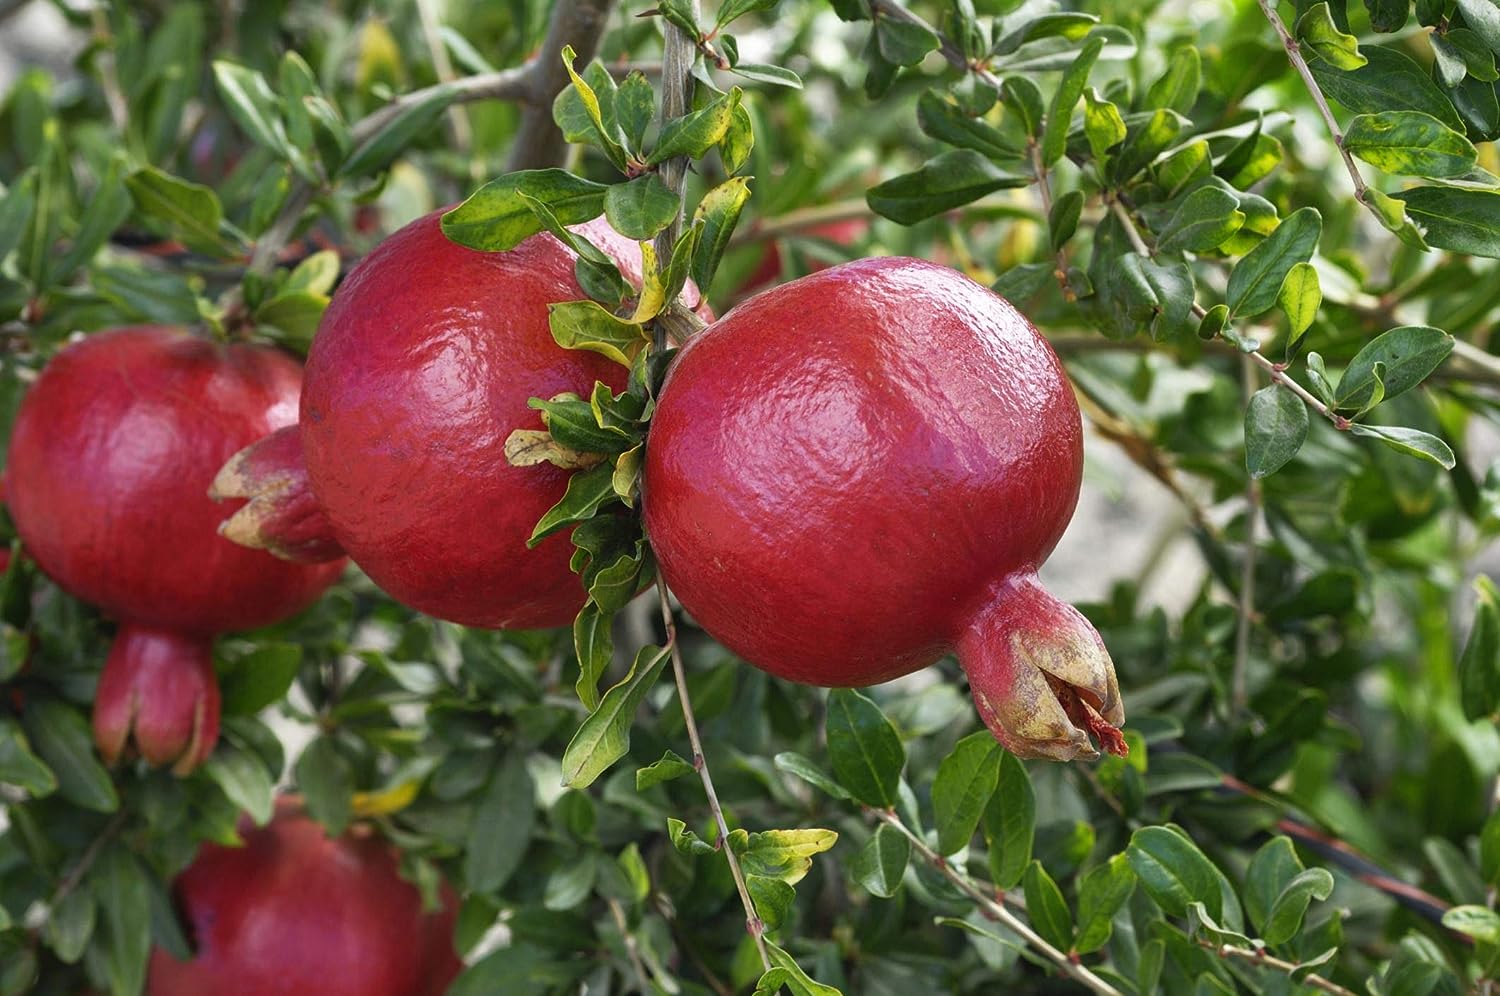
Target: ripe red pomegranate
111,457
845,232
855,473
421,368
296,913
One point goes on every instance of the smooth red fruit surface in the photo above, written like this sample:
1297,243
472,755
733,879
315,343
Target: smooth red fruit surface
421,368
296,913
855,473
111,456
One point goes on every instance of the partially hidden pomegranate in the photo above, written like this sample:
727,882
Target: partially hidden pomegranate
843,232
294,912
111,457
855,473
421,368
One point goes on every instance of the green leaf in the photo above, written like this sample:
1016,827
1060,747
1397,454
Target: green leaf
1466,221
732,10
738,141
495,218
1068,26
1489,839
965,780
1101,894
1144,142
326,780
1188,165
1316,28
1300,297
1478,58
866,752
786,972
1065,98
670,766
1256,280
186,211
1204,220
950,180
1412,442
105,211
70,925
762,73
880,864
1010,823
780,854
640,208
1409,354
1484,18
500,831
635,106
771,897
1103,125
245,781
62,739
1391,81
588,325
1478,922
595,647
587,491
120,883
410,120
1410,143
1046,908
795,764
1478,676
1062,220
15,211
292,318
1177,88
693,134
572,423
604,737
945,121
1173,871
253,105
1024,98
903,43
1276,424
602,130
719,213
684,840
19,766
1271,871
1284,921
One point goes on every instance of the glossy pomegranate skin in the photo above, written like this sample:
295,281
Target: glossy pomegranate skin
296,913
110,460
421,369
842,470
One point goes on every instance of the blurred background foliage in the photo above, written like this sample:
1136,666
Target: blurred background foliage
1305,674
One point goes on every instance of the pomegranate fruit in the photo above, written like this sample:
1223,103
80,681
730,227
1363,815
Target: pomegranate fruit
295,913
111,456
855,473
421,368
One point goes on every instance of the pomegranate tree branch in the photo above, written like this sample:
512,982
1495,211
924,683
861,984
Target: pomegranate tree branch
1259,957
1294,54
753,923
679,52
1240,693
580,23
993,910
632,948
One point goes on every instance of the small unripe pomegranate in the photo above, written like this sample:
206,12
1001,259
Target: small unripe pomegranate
421,368
111,457
294,912
855,473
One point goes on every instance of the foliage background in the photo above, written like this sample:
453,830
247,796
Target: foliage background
1311,698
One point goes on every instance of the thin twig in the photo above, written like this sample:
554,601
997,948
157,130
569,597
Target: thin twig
76,874
1045,188
1294,53
678,54
458,118
109,77
539,142
753,922
1270,961
1240,692
994,910
766,229
632,948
